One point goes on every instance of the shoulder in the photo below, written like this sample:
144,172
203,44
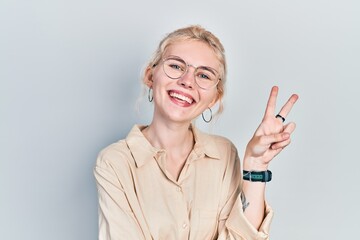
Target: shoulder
216,146
214,140
131,152
225,147
116,154
222,141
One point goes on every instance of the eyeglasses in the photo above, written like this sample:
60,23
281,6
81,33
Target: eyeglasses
205,77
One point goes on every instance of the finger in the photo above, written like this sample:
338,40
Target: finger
271,104
281,145
274,138
289,128
288,105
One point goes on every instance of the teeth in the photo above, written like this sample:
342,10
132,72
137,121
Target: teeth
181,97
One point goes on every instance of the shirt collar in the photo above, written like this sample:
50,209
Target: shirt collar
140,147
143,151
205,144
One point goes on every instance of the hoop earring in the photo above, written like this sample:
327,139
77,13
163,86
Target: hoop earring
150,95
207,120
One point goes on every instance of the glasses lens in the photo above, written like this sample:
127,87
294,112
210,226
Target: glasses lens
174,68
206,77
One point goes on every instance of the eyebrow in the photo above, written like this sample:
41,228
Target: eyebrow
210,69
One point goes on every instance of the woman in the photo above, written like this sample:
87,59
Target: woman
170,181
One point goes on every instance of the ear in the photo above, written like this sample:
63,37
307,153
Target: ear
148,77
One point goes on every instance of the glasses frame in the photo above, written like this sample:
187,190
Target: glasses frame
187,68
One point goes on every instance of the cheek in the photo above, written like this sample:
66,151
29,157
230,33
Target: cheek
157,73
210,97
159,80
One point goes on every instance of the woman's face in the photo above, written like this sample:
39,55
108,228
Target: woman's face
182,100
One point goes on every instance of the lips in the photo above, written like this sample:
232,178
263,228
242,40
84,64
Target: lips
181,97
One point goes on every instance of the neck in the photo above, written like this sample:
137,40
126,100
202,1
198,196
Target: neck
170,137
175,138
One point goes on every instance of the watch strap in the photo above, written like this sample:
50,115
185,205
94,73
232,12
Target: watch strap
257,176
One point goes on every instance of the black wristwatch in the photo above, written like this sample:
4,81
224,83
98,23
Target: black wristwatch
257,176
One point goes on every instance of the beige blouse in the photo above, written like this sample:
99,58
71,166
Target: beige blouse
139,199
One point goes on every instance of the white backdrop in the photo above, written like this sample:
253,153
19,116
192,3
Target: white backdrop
70,77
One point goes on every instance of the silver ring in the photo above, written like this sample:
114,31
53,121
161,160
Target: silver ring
279,116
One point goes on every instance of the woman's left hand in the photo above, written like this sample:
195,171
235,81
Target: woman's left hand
272,136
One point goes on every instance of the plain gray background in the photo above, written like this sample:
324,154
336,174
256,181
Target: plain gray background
70,79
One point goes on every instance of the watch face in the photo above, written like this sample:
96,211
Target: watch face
257,177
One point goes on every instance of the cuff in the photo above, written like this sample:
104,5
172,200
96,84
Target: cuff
238,223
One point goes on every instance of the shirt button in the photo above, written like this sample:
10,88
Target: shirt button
184,225
178,189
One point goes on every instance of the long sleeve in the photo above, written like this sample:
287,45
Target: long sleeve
116,218
233,224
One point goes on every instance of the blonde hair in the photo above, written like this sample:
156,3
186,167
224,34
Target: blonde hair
198,33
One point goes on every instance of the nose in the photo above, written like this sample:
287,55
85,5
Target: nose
188,79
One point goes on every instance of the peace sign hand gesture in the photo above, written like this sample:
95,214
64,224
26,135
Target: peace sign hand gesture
272,136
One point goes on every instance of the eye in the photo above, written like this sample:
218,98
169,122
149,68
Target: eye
204,76
175,66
